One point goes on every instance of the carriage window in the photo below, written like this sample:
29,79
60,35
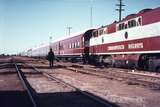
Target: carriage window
56,47
61,46
125,26
78,44
70,45
73,45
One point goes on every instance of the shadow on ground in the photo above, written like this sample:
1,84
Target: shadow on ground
14,99
68,99
58,99
52,99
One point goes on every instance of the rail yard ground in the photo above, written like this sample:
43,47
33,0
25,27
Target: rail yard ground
114,87
12,92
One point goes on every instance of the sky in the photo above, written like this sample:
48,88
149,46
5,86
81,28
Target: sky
28,23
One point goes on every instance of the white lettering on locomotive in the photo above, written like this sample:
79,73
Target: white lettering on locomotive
117,47
135,46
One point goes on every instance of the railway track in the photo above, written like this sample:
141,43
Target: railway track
123,75
100,102
129,78
93,82
25,84
13,89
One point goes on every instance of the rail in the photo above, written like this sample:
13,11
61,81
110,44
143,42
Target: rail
94,97
25,85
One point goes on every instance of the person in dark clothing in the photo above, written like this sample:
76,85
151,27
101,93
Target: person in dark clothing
51,57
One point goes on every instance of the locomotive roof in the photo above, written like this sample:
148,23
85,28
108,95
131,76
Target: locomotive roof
143,11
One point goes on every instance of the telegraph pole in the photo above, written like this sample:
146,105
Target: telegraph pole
50,40
91,14
120,9
69,29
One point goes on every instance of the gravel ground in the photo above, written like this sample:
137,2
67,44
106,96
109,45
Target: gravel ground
9,81
51,93
117,92
114,91
12,93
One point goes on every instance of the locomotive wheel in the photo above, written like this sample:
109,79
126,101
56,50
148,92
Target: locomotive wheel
158,69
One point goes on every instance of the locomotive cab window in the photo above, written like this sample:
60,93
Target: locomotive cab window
95,34
105,31
122,26
126,26
131,23
100,32
119,27
139,22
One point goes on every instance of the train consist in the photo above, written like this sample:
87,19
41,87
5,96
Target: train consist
133,42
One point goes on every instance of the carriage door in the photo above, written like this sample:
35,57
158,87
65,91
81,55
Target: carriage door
87,36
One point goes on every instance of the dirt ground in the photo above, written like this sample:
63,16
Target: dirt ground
124,95
117,92
9,80
51,93
12,92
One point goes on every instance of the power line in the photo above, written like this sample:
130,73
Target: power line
120,9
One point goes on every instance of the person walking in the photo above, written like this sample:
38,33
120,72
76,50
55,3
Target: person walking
51,57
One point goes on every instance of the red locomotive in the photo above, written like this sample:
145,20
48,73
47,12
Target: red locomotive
132,42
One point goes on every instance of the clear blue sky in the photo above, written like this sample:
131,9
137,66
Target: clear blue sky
27,23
